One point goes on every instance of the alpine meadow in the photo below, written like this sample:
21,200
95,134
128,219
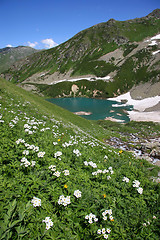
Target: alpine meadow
63,176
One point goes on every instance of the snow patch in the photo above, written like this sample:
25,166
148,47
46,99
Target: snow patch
84,78
156,37
139,105
152,43
155,52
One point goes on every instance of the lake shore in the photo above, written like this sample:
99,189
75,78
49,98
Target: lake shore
147,109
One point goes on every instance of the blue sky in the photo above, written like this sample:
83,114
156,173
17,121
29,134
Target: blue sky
45,23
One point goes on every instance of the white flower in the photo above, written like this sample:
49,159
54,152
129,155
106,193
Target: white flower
90,221
57,174
27,126
111,218
20,141
64,200
91,218
52,167
99,231
108,230
104,218
48,222
57,154
36,202
55,143
154,217
77,152
105,236
33,163
108,177
85,163
110,211
125,179
140,190
36,149
25,162
41,154
103,231
26,152
66,172
77,193
136,183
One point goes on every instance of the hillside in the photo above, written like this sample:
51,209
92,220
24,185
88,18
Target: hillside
58,181
126,53
9,55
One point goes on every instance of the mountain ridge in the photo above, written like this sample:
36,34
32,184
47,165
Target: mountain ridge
82,55
9,55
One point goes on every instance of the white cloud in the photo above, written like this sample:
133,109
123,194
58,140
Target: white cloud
49,43
32,44
9,45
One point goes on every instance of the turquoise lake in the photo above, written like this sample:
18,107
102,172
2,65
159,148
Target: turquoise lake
100,108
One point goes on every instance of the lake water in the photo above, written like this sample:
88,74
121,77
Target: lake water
100,108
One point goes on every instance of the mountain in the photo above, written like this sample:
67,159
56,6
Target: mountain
125,52
9,55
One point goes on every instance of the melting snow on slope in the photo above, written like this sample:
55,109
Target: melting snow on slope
84,78
139,105
156,37
155,52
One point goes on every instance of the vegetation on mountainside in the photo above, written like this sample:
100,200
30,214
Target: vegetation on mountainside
86,88
10,55
58,182
86,47
133,71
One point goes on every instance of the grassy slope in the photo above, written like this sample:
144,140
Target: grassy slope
19,184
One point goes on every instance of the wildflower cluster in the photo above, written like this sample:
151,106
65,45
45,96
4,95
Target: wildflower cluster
92,164
109,212
125,179
91,218
67,177
26,163
136,184
109,170
64,200
28,146
57,173
48,222
104,231
36,202
77,193
58,154
41,154
77,152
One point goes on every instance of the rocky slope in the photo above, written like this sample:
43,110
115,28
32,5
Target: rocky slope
127,52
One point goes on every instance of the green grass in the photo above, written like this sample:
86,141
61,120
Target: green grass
52,129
